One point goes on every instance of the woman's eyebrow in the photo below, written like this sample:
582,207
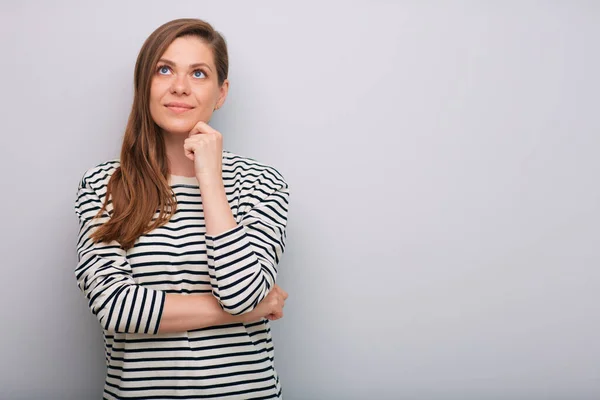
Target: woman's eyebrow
196,65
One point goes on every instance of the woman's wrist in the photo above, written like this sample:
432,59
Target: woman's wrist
210,179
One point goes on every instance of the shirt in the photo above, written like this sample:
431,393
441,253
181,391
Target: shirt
126,290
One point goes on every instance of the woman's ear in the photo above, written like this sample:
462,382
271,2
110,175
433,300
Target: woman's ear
223,90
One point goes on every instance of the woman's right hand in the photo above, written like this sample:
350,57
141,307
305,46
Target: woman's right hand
271,307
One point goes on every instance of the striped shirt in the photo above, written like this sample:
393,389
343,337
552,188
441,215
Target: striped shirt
126,290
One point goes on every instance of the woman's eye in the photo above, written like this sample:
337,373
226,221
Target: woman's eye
199,74
163,70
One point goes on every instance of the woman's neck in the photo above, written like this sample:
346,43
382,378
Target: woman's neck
179,164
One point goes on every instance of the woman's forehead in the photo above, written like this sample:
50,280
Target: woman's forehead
189,50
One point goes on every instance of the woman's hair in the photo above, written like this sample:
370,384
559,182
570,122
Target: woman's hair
139,187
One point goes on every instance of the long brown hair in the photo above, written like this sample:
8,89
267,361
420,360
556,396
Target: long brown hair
139,187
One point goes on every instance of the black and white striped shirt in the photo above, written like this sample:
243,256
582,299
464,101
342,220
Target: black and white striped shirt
126,289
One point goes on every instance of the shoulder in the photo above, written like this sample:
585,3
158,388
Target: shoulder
248,169
92,188
97,177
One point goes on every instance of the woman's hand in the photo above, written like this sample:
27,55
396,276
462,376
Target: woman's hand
271,307
204,146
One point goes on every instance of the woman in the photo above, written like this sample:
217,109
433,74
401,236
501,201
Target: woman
179,240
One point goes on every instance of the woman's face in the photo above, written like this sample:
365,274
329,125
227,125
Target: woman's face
185,87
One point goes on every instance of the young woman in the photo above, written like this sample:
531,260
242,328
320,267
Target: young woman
180,240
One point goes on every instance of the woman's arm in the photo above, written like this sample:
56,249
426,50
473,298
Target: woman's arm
121,305
243,261
187,312
242,258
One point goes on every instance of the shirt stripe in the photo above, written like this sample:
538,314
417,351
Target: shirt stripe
126,290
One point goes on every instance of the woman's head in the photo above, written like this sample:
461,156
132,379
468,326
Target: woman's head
180,78
181,75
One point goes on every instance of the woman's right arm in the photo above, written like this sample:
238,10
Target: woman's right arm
121,305
186,312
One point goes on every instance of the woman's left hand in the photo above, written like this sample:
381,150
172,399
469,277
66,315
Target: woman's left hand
204,146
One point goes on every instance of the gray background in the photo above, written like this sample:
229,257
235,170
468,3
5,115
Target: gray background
443,161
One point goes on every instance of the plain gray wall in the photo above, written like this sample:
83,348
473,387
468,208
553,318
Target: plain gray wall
444,163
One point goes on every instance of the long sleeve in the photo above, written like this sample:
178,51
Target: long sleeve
243,261
105,277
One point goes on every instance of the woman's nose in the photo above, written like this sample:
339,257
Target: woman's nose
180,85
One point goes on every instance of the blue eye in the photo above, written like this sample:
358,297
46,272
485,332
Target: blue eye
199,74
164,70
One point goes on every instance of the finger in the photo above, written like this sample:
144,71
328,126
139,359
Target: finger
189,150
276,315
279,290
191,145
282,293
202,127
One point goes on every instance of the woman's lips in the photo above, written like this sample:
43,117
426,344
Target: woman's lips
178,108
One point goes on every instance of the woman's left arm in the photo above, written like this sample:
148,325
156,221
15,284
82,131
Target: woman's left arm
242,258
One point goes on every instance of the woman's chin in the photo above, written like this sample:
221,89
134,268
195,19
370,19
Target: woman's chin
177,129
